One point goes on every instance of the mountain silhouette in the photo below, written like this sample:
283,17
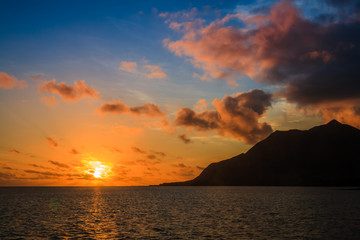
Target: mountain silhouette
326,155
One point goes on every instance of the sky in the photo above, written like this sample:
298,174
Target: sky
133,93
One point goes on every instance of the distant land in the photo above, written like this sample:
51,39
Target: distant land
326,155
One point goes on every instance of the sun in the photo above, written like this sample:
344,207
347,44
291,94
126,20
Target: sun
100,172
97,169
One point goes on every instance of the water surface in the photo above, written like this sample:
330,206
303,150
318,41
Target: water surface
179,213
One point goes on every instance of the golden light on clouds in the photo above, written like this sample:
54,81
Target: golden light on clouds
95,168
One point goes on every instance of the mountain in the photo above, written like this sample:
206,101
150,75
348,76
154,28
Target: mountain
326,155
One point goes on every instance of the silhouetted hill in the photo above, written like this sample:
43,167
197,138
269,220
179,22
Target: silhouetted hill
326,155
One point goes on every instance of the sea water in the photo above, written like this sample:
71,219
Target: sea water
179,213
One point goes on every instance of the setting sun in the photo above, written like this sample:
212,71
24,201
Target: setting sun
97,169
101,171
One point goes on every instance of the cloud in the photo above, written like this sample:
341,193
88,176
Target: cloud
201,105
49,101
180,15
128,66
235,116
184,170
52,142
149,110
155,72
116,150
179,165
161,154
151,156
8,168
184,138
347,111
150,71
74,151
162,124
38,166
200,168
13,150
62,165
69,93
7,176
314,61
8,82
48,174
138,150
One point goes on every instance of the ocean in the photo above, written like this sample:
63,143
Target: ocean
179,213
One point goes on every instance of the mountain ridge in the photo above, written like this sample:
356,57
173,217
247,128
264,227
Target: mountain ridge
325,155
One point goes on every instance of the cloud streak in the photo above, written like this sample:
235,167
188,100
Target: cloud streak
128,66
58,164
117,108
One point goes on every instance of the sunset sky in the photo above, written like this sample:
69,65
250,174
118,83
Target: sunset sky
144,92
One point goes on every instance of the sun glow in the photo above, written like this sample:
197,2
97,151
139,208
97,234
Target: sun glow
97,169
100,171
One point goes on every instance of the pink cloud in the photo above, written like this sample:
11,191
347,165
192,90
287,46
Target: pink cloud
69,93
201,105
155,72
8,82
49,101
128,66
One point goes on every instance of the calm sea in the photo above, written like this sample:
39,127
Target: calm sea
179,213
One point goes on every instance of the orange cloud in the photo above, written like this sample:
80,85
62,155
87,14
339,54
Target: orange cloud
347,111
234,116
52,142
155,72
49,101
201,105
149,110
128,66
7,81
69,93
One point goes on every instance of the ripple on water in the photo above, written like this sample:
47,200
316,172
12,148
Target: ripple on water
179,213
